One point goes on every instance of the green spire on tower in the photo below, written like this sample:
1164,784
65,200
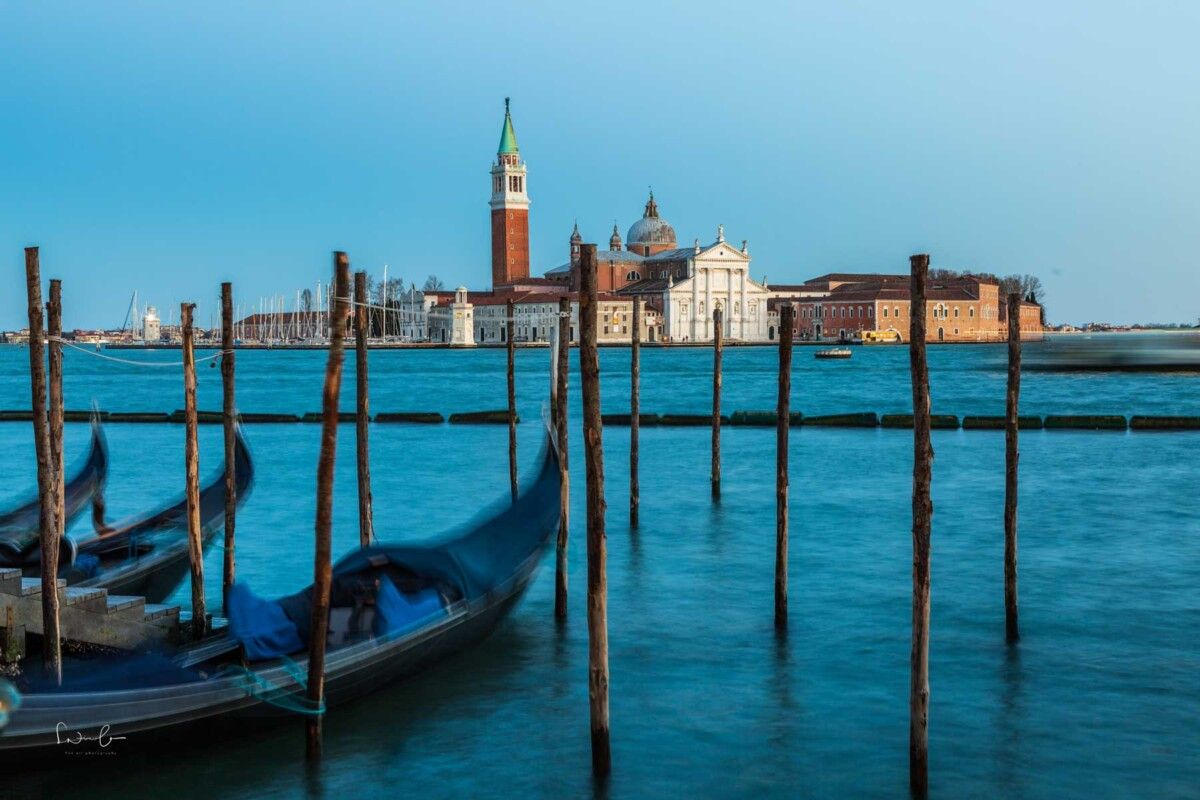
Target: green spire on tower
508,137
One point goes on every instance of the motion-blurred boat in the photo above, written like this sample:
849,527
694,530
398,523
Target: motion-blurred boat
147,555
834,352
20,528
395,609
1115,352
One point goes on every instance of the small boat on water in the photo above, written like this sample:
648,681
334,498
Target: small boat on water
834,352
395,609
20,528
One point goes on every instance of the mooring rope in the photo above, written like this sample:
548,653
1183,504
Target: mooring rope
133,362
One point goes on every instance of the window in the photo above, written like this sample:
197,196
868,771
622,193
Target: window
633,275
956,313
737,308
885,311
971,311
896,311
842,312
606,329
700,308
871,311
683,309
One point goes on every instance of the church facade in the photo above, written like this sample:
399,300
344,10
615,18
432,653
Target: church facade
687,284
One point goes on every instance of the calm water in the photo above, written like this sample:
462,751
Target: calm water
1099,700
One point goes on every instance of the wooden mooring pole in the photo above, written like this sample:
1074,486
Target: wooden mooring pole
192,471
597,545
512,401
229,426
362,417
55,411
564,495
782,431
322,565
52,644
635,409
922,517
1011,455
716,405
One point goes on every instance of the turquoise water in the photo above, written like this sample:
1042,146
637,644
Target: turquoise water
1100,699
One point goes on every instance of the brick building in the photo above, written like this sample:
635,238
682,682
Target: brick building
857,307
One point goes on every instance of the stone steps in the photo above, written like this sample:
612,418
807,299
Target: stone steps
87,614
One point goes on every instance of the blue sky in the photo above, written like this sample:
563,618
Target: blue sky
166,147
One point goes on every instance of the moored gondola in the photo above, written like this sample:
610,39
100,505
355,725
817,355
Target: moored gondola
395,610
20,527
147,555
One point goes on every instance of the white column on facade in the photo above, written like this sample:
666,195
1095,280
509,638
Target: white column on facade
708,304
694,335
745,309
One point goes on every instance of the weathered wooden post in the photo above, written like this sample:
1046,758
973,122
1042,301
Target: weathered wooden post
922,517
229,425
635,409
192,470
512,401
52,643
55,410
782,431
322,566
564,492
362,418
597,545
716,405
1011,455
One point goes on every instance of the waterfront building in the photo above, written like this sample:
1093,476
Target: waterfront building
692,282
686,283
849,306
453,322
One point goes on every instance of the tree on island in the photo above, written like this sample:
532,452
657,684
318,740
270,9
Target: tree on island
434,284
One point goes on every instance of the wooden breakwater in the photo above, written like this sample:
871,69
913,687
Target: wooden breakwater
745,418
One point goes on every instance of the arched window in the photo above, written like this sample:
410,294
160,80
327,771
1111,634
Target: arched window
632,275
971,311
871,311
885,311
956,313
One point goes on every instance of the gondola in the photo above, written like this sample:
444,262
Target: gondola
452,594
147,556
20,528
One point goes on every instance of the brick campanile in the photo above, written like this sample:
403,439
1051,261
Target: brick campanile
510,210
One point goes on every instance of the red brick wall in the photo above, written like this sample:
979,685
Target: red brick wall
510,245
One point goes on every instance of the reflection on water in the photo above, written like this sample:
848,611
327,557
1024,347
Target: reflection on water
1098,700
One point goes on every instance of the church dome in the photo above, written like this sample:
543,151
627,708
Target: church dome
651,228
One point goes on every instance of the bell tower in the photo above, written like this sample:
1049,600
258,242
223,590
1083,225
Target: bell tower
510,209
